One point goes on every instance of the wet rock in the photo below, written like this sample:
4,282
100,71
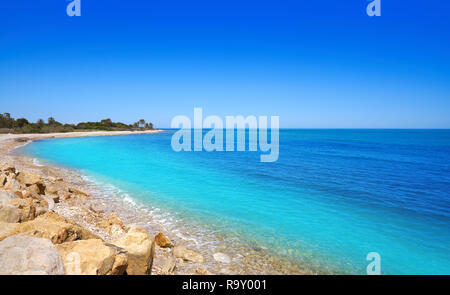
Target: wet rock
167,265
187,255
92,257
53,227
163,241
223,258
22,255
140,248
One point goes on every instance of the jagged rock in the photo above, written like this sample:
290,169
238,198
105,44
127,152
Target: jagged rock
51,190
187,255
26,194
113,225
163,241
22,255
12,183
53,227
52,193
140,248
78,192
92,257
8,213
27,208
9,168
32,181
223,258
202,271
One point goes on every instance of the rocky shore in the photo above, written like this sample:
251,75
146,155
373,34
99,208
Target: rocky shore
51,224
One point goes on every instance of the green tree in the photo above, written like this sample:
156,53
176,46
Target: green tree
40,123
22,122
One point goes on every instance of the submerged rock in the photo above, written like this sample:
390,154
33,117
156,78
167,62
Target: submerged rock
167,265
140,248
187,255
223,258
92,257
163,241
22,255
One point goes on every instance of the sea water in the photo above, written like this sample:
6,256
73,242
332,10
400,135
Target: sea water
332,197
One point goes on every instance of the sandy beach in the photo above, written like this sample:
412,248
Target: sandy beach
98,212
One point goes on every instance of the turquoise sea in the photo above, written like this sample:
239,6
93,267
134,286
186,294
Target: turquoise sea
331,198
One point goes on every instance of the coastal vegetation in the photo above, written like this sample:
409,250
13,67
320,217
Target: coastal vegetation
24,126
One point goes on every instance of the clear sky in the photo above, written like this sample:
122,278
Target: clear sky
316,64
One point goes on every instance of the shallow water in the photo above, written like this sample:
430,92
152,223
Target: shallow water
331,198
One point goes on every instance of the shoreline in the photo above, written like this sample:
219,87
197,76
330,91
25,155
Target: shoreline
89,213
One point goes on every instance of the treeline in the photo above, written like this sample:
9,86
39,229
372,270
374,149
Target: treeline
22,125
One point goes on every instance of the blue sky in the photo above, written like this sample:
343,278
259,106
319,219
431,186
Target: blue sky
316,64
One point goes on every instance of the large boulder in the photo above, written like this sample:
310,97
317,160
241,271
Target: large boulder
53,227
92,257
33,181
8,213
22,255
140,247
187,255
163,241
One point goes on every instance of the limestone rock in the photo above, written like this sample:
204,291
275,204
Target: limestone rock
6,228
113,225
22,255
187,255
140,248
32,180
12,183
27,208
8,213
78,192
8,168
223,258
53,227
163,241
92,257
